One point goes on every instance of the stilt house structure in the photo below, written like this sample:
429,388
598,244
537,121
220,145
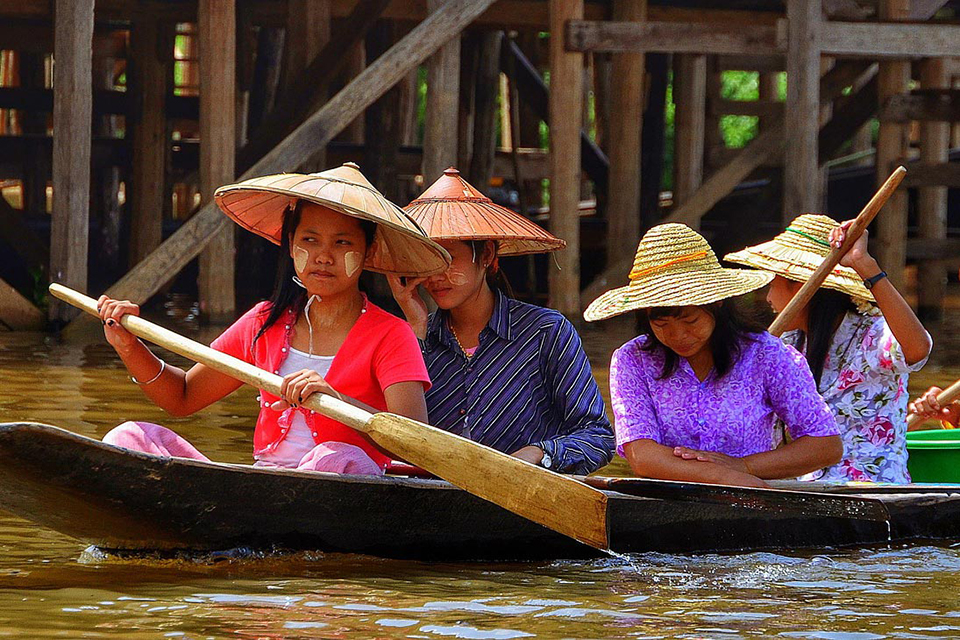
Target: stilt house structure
119,118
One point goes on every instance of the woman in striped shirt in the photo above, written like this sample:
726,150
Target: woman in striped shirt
507,374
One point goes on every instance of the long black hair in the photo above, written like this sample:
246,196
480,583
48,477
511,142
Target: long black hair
495,277
825,311
288,294
733,325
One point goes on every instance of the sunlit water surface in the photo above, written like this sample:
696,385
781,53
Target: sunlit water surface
51,586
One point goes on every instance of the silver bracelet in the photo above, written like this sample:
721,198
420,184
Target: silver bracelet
163,365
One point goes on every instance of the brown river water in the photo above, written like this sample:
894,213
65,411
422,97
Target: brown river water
52,586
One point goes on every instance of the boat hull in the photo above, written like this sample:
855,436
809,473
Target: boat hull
118,499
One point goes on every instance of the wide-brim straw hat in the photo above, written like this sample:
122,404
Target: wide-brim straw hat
798,252
675,267
401,246
452,209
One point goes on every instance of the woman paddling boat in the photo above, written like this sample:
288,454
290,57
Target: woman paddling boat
697,395
860,337
507,374
318,330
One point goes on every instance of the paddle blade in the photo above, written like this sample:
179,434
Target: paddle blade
555,501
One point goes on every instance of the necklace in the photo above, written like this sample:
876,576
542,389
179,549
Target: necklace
457,338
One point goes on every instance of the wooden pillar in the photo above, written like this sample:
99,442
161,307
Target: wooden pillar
469,59
149,73
106,182
266,75
690,96
308,29
217,39
485,110
626,124
442,108
769,90
713,141
409,100
356,63
801,175
892,143
72,121
36,166
566,99
934,141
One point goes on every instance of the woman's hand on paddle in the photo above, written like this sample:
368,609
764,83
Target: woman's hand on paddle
299,386
722,459
414,309
927,406
857,257
111,311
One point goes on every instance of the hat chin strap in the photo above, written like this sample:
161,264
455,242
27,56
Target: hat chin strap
306,311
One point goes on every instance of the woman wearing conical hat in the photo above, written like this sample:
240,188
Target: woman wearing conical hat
508,374
697,395
318,330
860,337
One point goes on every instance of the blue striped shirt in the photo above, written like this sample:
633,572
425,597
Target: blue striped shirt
528,383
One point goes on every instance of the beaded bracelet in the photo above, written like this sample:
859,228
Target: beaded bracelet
163,365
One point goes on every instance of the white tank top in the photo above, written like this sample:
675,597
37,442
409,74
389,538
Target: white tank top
299,441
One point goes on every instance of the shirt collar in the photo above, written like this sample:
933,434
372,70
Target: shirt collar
499,322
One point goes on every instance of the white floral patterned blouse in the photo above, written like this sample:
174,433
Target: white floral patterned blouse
864,383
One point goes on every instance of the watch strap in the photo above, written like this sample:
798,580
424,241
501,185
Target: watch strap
869,282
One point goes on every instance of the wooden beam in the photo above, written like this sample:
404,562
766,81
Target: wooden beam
670,37
485,109
758,108
72,126
149,71
932,201
690,96
802,186
105,102
217,34
947,249
566,107
848,119
16,312
940,105
890,39
747,62
943,174
892,145
441,119
626,123
164,263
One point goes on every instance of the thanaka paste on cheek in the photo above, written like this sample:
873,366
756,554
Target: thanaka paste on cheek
352,262
456,278
300,257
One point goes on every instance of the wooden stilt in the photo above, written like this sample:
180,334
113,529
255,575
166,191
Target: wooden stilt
934,140
485,109
892,144
356,62
36,166
442,108
308,30
217,37
566,99
657,66
801,176
106,181
266,75
149,72
713,144
383,122
469,59
626,123
689,94
407,115
72,113
769,90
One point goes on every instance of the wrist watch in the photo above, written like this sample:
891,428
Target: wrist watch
546,461
869,282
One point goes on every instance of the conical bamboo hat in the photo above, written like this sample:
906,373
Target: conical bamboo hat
452,209
401,246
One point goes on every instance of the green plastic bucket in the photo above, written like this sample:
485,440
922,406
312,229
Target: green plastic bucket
934,455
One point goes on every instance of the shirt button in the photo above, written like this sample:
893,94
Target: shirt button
283,349
277,372
314,434
288,326
463,412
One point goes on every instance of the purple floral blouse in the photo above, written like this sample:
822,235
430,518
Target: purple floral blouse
736,414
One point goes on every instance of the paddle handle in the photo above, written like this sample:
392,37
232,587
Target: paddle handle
946,396
234,367
786,317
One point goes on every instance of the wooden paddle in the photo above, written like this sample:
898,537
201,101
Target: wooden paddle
807,503
786,317
946,396
555,501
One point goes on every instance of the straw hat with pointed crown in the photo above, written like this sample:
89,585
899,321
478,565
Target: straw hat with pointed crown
797,252
401,246
452,209
674,267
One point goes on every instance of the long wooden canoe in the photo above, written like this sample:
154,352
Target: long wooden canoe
118,499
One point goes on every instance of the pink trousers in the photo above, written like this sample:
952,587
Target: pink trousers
332,457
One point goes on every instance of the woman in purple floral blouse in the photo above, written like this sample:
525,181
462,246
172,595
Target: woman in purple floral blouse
698,394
